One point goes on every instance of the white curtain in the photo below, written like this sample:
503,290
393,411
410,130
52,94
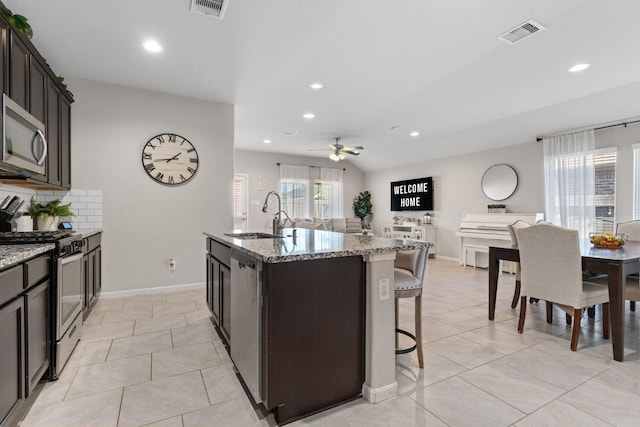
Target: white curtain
636,181
295,191
569,181
331,179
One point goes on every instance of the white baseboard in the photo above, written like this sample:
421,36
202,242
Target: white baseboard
158,289
380,394
447,258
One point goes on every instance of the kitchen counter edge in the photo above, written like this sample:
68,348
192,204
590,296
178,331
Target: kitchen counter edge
11,255
353,245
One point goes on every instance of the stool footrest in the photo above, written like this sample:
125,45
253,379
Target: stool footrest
405,350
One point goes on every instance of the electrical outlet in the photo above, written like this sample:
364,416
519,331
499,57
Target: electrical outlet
383,289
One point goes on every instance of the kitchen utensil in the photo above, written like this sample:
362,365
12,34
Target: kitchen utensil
5,203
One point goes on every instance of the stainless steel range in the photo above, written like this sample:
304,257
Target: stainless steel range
67,289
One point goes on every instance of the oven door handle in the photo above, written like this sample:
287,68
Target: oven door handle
71,258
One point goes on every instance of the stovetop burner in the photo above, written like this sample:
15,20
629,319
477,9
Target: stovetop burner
17,237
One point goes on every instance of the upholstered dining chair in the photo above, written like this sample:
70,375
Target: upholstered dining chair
409,271
514,241
632,228
551,270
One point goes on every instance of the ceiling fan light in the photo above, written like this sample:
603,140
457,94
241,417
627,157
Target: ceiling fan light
334,157
341,156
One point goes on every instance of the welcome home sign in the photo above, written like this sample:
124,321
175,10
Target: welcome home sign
412,195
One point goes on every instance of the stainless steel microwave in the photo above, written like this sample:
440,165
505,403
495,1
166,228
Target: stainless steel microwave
24,147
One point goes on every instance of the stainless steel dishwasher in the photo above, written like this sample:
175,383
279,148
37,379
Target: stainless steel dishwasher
246,314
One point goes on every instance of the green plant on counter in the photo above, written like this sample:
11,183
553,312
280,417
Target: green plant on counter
52,208
19,22
362,205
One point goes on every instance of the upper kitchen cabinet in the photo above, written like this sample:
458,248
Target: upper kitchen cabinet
29,81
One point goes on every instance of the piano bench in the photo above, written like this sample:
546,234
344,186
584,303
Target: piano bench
475,249
485,250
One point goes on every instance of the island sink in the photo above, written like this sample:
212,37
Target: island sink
253,236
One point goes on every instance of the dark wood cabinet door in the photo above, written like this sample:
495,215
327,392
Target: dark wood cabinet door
90,275
12,360
53,134
18,70
38,83
85,286
97,272
38,326
313,335
65,142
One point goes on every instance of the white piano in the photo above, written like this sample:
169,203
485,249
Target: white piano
478,231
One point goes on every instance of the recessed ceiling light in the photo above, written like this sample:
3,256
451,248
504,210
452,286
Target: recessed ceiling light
414,133
152,46
267,141
316,86
309,116
579,67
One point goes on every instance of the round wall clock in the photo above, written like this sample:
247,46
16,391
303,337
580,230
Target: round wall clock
170,159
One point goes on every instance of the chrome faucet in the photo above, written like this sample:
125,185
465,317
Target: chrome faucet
277,224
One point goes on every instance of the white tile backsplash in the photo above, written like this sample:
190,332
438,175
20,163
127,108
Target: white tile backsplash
86,204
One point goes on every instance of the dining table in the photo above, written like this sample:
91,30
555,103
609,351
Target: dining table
616,263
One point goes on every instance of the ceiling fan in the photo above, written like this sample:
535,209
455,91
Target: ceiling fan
339,151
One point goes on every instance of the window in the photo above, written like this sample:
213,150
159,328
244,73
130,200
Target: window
636,181
294,190
605,188
310,191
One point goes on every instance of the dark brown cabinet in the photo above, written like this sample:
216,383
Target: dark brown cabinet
313,331
92,272
18,70
53,135
28,80
37,312
11,358
25,331
65,142
218,286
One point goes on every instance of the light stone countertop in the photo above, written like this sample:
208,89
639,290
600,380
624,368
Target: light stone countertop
15,254
313,244
89,232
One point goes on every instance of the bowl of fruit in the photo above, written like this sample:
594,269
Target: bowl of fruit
608,241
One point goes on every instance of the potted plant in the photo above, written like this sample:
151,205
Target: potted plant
362,207
48,215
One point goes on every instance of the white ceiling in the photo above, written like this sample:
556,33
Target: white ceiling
426,65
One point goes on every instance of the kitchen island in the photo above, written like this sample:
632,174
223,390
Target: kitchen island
310,315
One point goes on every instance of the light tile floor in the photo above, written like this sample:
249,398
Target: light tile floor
156,360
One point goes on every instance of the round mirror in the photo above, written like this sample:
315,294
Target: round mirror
499,182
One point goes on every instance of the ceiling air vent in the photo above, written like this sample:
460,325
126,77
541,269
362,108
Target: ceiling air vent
213,8
521,32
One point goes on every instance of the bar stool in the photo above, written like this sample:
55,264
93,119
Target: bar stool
409,270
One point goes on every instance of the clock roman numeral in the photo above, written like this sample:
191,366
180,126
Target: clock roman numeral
172,137
193,160
183,178
171,179
146,156
159,176
191,150
153,147
149,167
191,170
160,139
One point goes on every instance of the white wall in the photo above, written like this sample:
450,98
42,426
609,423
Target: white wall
146,223
254,163
457,183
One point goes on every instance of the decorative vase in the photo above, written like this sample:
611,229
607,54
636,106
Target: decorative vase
48,223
